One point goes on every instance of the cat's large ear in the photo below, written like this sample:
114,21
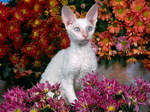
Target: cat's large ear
92,14
67,16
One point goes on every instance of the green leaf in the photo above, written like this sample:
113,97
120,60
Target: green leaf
122,60
122,32
101,25
104,62
110,62
47,109
7,72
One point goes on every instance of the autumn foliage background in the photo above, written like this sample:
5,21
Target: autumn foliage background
31,33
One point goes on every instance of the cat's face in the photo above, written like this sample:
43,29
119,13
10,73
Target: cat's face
80,30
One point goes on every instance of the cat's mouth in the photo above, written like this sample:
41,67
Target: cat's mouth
85,41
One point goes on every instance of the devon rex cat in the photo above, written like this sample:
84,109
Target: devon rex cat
71,64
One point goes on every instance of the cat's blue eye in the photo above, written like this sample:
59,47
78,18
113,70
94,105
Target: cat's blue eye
77,29
90,28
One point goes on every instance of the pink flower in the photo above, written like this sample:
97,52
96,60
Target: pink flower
39,91
16,95
16,99
110,106
142,85
109,87
90,80
87,99
58,105
137,94
13,107
123,44
99,96
96,96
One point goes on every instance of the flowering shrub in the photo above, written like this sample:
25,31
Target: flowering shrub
34,99
31,33
97,96
110,96
126,32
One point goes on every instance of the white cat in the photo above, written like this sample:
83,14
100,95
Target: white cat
71,64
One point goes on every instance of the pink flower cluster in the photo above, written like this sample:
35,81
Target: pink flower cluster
97,96
110,96
34,99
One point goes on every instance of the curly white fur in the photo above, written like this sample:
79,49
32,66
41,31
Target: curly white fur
71,64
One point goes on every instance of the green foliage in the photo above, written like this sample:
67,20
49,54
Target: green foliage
101,26
47,109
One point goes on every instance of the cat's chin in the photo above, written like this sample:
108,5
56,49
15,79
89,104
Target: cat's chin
83,42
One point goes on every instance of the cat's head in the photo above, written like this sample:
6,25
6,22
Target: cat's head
80,30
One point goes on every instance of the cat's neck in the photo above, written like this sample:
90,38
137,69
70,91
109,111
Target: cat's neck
86,46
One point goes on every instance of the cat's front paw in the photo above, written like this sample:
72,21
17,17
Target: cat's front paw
72,100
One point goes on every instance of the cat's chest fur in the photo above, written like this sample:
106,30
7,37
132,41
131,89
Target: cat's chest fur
81,61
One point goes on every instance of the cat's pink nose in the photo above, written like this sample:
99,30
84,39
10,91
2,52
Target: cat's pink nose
85,34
